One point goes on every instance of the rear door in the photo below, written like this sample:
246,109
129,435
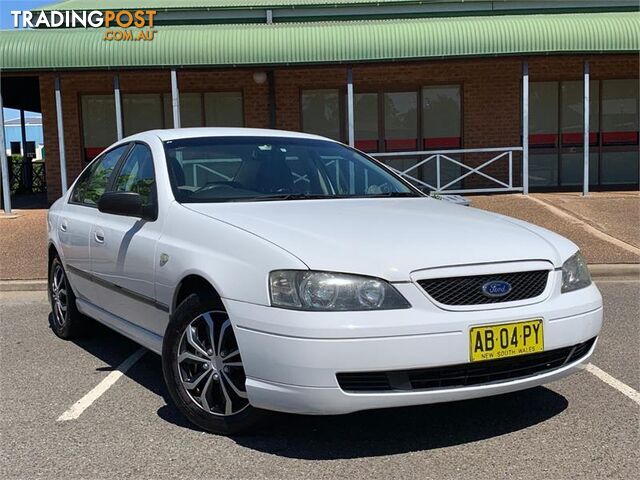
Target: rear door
123,249
77,220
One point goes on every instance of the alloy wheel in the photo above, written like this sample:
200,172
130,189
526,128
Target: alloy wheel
210,365
59,296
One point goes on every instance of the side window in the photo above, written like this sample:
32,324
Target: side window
94,180
137,175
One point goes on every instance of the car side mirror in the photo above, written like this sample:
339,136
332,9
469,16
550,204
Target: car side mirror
128,204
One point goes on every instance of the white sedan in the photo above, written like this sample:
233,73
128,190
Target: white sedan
282,271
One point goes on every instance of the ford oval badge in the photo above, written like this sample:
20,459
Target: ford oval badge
496,288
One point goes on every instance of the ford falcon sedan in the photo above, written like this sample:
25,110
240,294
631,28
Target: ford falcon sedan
282,271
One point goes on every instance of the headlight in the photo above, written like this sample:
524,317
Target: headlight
325,291
575,273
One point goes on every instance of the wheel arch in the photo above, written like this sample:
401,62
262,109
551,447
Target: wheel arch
52,252
195,283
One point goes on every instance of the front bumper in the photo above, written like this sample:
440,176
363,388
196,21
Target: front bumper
291,358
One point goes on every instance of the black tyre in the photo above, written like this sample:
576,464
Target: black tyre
65,319
203,369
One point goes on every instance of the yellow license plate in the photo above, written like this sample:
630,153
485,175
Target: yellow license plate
492,342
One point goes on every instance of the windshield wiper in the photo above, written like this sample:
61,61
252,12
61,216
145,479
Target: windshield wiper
312,196
393,194
283,196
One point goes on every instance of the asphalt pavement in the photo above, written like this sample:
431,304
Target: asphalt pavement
580,427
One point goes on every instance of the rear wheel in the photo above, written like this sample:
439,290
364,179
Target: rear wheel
65,319
203,368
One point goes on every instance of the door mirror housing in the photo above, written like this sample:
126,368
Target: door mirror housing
128,204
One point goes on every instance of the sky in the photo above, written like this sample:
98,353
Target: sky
6,22
6,6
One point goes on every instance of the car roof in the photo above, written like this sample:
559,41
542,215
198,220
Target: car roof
181,133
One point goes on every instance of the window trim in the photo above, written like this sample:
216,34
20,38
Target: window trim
70,200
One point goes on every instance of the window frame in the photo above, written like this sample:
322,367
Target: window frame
88,168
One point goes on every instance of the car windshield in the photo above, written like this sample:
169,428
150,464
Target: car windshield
227,169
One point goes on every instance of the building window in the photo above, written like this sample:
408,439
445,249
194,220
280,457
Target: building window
211,109
223,109
190,110
98,123
366,122
441,129
543,114
441,117
620,114
141,112
321,113
400,121
572,128
429,118
572,132
556,133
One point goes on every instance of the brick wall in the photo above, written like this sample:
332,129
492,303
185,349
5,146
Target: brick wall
490,88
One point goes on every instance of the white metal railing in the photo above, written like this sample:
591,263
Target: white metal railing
442,156
208,166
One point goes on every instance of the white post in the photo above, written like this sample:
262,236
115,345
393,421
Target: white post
6,188
23,135
525,127
350,112
585,181
175,98
510,168
63,160
118,103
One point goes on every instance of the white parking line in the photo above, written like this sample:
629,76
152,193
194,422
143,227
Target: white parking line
615,383
85,402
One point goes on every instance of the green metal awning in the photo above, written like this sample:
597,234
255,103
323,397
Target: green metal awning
199,4
329,42
274,4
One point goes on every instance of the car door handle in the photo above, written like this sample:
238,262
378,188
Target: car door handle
63,226
99,236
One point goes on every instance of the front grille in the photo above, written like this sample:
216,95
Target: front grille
468,290
463,375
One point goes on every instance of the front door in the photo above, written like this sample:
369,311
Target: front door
123,248
77,220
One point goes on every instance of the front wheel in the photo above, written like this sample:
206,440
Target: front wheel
203,368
